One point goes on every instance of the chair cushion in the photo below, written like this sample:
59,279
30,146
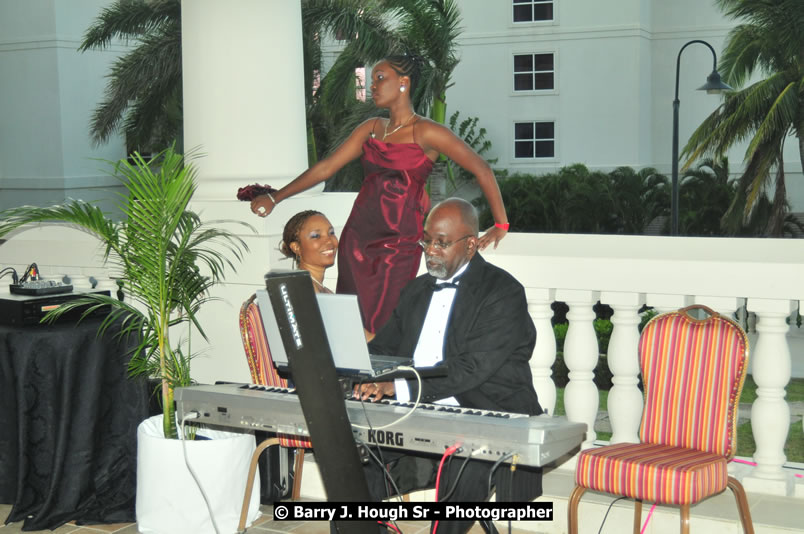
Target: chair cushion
653,473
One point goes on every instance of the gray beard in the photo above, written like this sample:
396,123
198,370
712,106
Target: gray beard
439,272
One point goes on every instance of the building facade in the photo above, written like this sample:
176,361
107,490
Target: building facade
558,82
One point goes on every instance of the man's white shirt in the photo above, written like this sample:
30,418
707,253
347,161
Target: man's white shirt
430,347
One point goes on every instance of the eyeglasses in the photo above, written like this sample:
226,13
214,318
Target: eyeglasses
439,245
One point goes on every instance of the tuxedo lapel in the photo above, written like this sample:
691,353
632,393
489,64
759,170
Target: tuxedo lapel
463,307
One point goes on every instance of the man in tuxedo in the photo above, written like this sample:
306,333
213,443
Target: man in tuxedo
472,317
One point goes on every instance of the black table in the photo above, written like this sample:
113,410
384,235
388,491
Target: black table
68,425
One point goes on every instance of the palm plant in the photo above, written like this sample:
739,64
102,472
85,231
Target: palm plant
374,29
143,96
706,192
157,250
637,198
770,41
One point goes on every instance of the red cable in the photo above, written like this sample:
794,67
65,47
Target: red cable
389,525
447,453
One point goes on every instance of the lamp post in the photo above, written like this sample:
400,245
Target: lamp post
712,86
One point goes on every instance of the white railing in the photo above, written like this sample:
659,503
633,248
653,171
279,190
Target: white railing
626,272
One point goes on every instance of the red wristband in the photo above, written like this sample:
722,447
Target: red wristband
503,226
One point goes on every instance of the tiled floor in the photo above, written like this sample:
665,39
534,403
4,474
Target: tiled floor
263,525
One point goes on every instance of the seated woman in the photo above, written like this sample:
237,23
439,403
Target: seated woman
309,240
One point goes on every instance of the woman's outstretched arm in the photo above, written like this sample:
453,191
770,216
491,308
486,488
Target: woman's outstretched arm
349,150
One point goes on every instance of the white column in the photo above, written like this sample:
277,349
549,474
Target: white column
770,414
581,355
544,354
243,93
625,399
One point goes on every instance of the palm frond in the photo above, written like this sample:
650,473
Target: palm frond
129,19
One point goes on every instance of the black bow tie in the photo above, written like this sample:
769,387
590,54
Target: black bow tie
444,285
438,286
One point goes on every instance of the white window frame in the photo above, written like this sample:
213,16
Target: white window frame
532,3
533,159
532,92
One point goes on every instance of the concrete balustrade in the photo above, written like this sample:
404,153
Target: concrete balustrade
625,272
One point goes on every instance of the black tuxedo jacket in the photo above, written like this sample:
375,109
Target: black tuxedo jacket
488,342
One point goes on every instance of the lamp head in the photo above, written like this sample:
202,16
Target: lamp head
714,85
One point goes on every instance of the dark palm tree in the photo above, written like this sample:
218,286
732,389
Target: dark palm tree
376,29
143,97
705,194
636,198
770,40
372,30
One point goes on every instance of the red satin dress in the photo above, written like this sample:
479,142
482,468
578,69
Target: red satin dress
378,252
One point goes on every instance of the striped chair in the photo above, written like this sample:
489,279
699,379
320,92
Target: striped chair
263,372
693,372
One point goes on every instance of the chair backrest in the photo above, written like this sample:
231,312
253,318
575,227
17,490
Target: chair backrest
693,372
260,362
258,353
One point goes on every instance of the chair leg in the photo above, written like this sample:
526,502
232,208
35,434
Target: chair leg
685,519
572,509
252,471
297,474
637,515
742,505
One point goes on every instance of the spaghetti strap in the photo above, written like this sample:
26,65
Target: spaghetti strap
414,130
373,126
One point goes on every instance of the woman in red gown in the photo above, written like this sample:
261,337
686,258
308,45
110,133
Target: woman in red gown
378,252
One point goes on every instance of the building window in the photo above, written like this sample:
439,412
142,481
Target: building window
533,10
533,72
534,139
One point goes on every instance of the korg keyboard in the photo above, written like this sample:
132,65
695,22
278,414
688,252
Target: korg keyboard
482,434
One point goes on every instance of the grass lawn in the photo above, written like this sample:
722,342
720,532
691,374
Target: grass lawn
794,448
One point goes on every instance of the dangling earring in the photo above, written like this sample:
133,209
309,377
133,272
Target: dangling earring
402,89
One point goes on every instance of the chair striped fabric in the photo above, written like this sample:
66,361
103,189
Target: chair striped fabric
693,372
263,372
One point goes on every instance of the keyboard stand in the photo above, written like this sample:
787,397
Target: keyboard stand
320,393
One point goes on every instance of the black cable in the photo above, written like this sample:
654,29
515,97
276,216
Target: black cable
381,460
27,272
607,513
382,466
495,466
387,474
457,479
14,278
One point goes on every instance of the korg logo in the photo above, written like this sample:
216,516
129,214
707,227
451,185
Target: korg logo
294,326
386,438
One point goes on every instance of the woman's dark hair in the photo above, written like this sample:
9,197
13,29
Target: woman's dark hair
292,229
407,65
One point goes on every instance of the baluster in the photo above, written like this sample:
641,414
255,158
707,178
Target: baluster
625,398
544,354
581,355
770,414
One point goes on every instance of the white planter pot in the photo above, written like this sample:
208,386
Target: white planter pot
168,498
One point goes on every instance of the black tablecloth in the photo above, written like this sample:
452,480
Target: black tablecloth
68,425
